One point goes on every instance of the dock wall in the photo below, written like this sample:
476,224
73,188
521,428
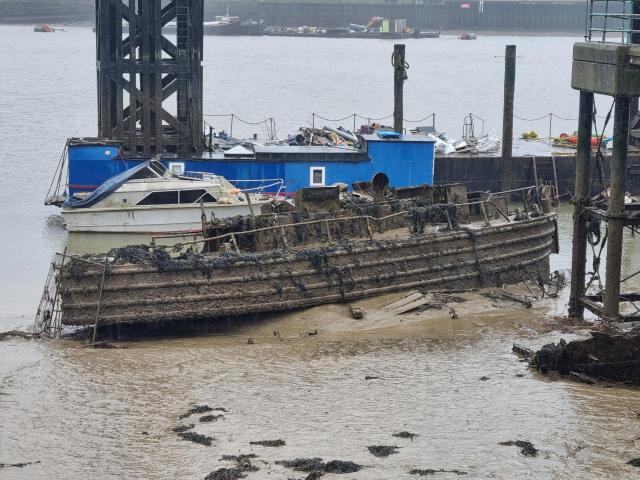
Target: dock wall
482,173
496,15
540,16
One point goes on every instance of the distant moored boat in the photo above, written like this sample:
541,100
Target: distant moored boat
44,28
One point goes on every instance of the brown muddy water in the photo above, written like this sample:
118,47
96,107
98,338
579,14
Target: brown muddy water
109,413
327,385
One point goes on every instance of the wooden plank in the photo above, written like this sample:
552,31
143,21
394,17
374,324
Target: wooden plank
411,306
410,297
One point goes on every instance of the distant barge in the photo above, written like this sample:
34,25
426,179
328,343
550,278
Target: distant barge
302,259
346,33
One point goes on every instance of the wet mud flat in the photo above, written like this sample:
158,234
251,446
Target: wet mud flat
305,406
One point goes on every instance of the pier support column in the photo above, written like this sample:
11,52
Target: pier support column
506,170
616,211
399,76
583,185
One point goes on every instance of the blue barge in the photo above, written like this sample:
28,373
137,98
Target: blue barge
406,160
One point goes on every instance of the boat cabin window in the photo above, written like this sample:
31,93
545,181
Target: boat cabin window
207,198
193,196
160,198
316,176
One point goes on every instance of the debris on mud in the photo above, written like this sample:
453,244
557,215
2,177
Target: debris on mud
238,458
607,356
508,297
523,352
634,462
405,434
197,438
18,465
243,465
339,466
17,333
316,467
583,378
371,377
382,450
269,443
526,448
484,378
430,471
211,418
226,474
182,428
196,409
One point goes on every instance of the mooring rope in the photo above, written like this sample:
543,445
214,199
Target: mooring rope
400,66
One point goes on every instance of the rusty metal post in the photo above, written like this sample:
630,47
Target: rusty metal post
506,170
581,199
616,211
399,76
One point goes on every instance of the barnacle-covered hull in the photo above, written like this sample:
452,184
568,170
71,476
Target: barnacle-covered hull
227,284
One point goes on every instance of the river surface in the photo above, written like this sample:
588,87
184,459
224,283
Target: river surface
108,413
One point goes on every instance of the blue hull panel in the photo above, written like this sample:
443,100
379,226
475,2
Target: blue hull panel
406,163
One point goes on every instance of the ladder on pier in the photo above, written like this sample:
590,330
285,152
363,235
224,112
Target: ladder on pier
545,173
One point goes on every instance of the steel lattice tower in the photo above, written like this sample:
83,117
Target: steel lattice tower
150,88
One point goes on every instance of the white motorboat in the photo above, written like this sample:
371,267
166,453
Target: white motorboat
151,199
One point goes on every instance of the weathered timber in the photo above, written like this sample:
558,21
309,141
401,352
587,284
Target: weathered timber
220,284
607,356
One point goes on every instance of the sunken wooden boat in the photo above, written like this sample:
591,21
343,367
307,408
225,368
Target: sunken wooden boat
276,262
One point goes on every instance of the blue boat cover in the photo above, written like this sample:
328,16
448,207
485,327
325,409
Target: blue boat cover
387,134
104,189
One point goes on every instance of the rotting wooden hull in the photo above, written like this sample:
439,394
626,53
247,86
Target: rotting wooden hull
283,280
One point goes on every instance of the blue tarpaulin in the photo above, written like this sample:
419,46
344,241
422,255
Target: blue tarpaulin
105,189
387,134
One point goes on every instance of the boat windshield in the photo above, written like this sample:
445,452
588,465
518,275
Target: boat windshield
174,197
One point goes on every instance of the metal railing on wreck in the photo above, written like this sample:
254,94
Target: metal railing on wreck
526,191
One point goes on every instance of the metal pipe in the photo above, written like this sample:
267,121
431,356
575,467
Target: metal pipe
616,211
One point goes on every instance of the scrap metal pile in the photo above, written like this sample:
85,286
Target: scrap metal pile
324,137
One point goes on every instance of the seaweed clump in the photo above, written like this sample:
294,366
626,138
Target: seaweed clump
210,418
197,438
243,465
405,434
196,409
316,467
269,443
430,471
183,428
526,448
382,450
421,216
